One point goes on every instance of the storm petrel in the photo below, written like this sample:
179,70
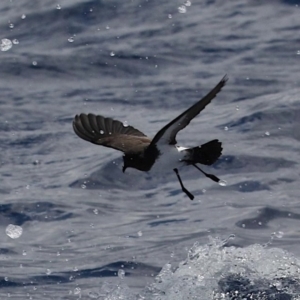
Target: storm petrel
160,153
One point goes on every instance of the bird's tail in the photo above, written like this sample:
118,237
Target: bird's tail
205,154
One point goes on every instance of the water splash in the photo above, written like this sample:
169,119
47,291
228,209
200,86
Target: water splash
182,9
222,182
14,231
121,274
5,45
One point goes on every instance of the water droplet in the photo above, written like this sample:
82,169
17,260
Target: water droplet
101,132
24,252
222,182
96,212
204,191
279,234
94,295
298,52
77,291
83,186
225,128
15,41
75,269
48,271
237,107
107,27
6,278
27,187
187,3
112,53
11,25
71,39
34,63
121,273
182,9
267,133
169,16
125,124
14,231
231,237
5,45
23,17
140,233
58,6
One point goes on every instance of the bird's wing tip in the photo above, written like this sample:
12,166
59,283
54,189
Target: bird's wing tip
225,78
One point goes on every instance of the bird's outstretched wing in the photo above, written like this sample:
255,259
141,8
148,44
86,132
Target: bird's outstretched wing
167,135
109,133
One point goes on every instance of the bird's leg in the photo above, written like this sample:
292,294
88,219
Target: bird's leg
211,176
182,186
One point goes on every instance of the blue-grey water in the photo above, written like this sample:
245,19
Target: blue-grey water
145,61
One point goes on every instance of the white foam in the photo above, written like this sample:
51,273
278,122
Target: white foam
214,271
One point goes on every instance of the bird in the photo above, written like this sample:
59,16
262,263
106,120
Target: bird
160,153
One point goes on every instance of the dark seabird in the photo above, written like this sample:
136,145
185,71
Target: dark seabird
160,153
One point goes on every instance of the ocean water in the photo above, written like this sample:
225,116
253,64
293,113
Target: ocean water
91,232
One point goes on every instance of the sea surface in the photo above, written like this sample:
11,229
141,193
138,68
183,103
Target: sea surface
91,232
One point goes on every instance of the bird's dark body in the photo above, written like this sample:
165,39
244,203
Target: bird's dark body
142,161
141,152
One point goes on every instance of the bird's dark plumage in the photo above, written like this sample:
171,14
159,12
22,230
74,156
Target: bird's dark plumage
110,133
169,131
206,154
142,153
